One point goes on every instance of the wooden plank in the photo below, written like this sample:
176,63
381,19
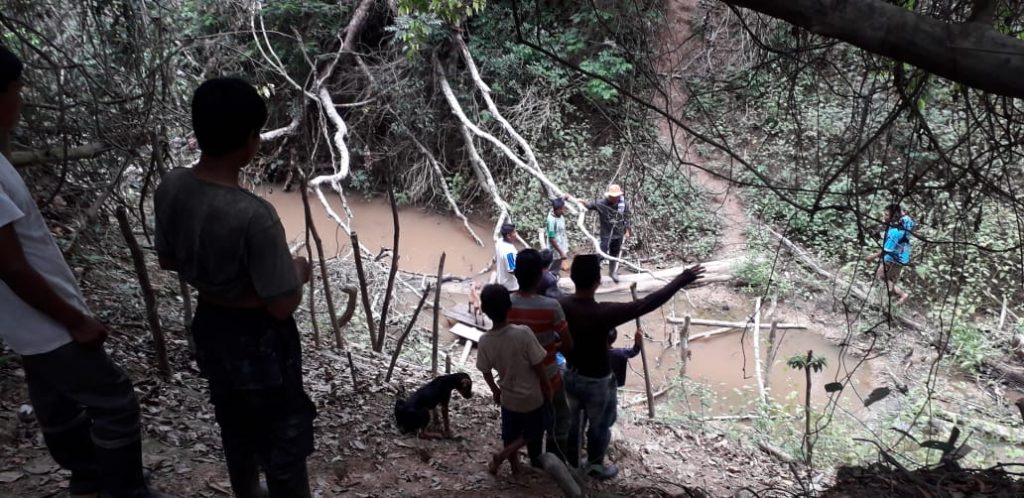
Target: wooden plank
460,313
466,332
465,353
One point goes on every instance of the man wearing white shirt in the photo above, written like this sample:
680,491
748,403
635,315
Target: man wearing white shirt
85,404
505,258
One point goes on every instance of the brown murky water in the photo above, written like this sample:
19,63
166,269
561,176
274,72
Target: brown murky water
423,234
718,362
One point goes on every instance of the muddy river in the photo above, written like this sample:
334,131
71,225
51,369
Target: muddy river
716,362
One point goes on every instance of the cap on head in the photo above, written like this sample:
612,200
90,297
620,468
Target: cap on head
614,190
507,229
557,203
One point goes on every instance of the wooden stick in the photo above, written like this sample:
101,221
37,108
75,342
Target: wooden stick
312,279
734,325
361,274
758,366
447,363
379,346
408,328
643,358
1002,314
684,346
437,312
339,341
713,332
148,296
771,354
352,368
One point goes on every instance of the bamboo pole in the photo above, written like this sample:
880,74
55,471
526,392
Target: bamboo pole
725,323
758,366
643,358
437,312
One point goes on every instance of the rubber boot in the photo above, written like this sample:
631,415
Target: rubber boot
613,271
294,484
121,473
73,449
245,477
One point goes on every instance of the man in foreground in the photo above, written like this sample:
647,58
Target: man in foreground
589,380
85,404
230,245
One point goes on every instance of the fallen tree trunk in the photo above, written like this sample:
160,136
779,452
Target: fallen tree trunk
723,323
25,158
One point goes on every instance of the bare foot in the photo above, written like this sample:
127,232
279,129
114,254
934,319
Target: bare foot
493,466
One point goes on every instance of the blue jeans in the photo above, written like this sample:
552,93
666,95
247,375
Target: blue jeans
596,399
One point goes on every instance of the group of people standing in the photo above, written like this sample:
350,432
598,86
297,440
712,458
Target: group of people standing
547,405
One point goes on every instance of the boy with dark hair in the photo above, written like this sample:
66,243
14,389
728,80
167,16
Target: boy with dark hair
513,351
545,318
548,280
230,245
505,258
85,403
589,379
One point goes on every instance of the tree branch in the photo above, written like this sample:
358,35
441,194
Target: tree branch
971,53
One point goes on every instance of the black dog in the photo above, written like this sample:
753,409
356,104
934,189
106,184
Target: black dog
417,412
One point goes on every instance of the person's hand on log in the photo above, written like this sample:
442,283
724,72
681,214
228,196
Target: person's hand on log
89,333
302,268
566,265
692,274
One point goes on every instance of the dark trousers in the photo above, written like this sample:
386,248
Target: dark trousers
612,247
254,365
89,416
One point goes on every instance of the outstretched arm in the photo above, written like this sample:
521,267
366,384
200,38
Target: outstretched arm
615,314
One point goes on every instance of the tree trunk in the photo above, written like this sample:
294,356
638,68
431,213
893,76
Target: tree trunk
971,53
152,313
758,365
684,346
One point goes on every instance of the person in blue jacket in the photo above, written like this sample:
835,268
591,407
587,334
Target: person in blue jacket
895,253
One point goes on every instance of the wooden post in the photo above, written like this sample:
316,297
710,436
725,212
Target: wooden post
437,313
758,367
311,230
447,363
408,328
312,284
148,296
382,336
361,274
643,358
771,354
684,346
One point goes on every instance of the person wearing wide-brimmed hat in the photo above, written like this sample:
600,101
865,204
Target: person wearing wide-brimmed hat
614,216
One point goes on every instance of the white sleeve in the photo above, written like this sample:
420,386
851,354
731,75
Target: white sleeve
9,212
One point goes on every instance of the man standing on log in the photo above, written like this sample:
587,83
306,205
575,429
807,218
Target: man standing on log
589,380
545,318
85,403
230,245
614,217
